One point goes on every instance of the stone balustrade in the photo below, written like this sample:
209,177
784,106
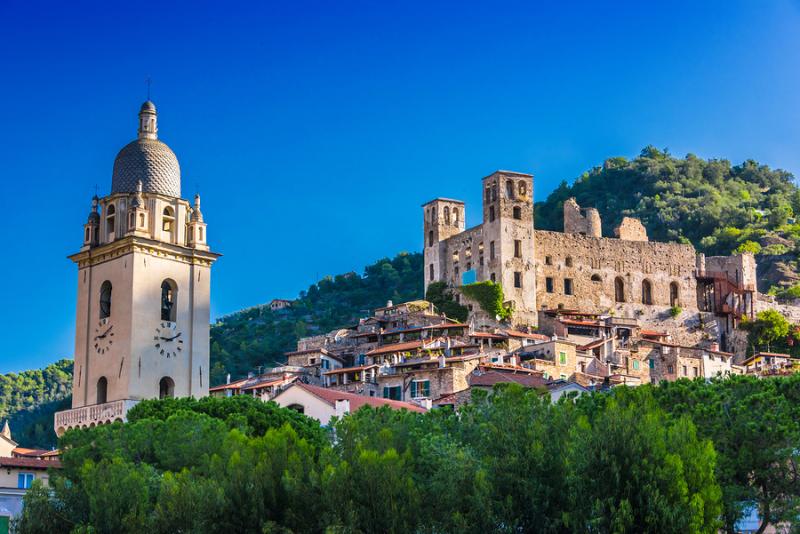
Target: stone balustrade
93,415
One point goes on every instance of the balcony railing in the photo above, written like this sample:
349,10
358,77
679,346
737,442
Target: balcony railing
93,415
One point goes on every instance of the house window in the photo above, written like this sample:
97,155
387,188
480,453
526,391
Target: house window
652,363
517,213
491,250
517,279
24,480
567,286
685,372
635,365
670,369
517,248
326,364
491,213
548,283
694,371
392,392
420,388
562,358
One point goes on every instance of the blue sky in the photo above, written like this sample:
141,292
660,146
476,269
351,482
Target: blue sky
314,131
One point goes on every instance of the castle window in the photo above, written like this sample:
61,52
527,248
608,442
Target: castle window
430,271
619,289
110,216
517,279
517,213
446,215
548,284
568,261
548,260
455,216
494,192
169,293
509,189
105,300
517,248
491,250
493,278
523,188
491,213
567,286
168,221
674,294
166,388
596,278
430,238
647,292
488,195
102,390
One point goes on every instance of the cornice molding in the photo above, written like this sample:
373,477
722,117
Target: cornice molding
134,244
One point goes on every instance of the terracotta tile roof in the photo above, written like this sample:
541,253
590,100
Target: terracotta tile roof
32,453
517,333
357,401
269,383
510,368
236,384
492,377
487,335
653,333
396,347
30,463
664,344
350,369
778,354
581,323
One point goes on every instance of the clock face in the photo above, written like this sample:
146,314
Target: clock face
167,340
103,336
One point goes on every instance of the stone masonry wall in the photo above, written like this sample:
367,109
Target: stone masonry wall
631,229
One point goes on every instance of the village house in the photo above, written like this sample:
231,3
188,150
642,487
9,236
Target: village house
771,364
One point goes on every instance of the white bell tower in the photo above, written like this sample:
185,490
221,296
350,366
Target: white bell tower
142,318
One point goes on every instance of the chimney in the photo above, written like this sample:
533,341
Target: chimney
714,346
342,407
228,379
389,304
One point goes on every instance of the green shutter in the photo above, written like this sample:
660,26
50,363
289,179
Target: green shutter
563,357
635,365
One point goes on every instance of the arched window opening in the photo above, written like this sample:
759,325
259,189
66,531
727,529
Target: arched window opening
619,289
430,271
169,293
168,221
455,216
596,278
141,220
647,292
102,390
110,216
488,195
523,188
299,408
166,388
568,261
494,192
105,300
517,213
430,238
509,189
191,233
674,295
491,213
131,221
200,233
86,234
446,215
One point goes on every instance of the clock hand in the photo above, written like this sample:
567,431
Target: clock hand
105,333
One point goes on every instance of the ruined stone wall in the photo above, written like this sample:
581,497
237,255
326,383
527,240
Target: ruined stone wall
577,220
739,268
463,252
631,229
588,268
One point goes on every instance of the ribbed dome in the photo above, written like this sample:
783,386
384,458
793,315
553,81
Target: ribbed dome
150,161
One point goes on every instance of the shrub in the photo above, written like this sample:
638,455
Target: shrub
489,297
675,311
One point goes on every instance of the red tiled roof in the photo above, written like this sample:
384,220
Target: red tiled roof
233,385
396,347
492,377
663,344
30,463
268,383
486,335
778,354
581,323
509,367
31,453
357,401
654,333
517,333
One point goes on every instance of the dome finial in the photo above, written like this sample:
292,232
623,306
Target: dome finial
148,121
197,215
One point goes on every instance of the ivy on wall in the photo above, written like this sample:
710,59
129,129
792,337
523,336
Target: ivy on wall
489,297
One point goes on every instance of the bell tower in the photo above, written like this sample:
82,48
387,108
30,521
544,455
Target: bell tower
142,317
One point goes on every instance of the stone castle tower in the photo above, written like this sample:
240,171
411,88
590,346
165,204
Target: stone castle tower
142,321
501,249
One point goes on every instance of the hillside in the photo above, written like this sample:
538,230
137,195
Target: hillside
718,207
29,399
258,336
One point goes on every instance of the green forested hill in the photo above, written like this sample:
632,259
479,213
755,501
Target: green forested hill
720,208
258,336
30,398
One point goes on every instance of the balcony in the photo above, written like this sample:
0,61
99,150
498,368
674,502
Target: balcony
93,415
